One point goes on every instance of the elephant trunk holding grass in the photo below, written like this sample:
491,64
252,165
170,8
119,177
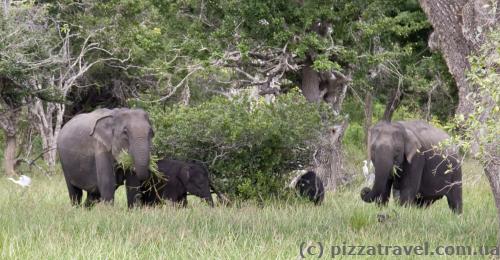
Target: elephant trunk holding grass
407,158
89,146
177,179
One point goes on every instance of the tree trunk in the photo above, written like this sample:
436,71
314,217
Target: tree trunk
492,171
310,84
459,29
6,5
392,104
368,119
49,119
330,87
329,158
10,155
8,122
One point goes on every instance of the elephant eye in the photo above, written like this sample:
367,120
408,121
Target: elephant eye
125,131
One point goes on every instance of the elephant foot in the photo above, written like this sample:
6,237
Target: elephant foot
364,194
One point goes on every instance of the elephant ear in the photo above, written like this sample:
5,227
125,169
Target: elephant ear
101,125
412,145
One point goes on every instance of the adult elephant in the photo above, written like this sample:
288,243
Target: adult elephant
177,179
406,157
89,145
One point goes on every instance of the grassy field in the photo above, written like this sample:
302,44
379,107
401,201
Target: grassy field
39,223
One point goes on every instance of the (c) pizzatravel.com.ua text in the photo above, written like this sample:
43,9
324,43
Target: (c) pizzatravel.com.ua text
322,250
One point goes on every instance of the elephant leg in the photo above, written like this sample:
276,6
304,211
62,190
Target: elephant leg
408,196
75,194
184,201
133,186
454,198
424,203
92,199
106,180
384,198
411,177
181,201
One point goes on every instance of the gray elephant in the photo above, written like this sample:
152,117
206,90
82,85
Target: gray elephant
178,178
89,145
405,157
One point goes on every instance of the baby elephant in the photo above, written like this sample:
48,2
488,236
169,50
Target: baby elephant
310,185
178,178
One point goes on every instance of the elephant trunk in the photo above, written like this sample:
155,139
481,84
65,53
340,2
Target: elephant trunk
382,185
140,154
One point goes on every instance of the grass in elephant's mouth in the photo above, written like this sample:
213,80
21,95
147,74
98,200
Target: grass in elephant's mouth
39,222
126,162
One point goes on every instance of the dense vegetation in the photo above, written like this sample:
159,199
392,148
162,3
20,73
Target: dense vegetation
250,146
186,61
253,90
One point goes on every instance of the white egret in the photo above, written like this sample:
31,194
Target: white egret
23,181
368,172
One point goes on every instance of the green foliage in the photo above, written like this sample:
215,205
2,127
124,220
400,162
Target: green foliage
250,146
481,127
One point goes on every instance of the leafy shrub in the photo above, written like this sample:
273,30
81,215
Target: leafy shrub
250,146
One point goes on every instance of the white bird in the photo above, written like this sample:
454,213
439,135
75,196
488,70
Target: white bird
366,173
369,176
23,181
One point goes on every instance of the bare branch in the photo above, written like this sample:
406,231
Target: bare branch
172,92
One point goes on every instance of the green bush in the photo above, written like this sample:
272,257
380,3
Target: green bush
248,145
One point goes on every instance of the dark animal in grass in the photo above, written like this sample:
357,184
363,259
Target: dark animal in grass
89,146
177,180
310,186
405,157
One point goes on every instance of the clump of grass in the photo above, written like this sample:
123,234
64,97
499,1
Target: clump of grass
358,220
126,162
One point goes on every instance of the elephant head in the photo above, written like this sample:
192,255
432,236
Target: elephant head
195,179
390,144
125,130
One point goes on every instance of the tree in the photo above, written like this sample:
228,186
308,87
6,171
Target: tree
466,32
68,63
484,75
18,50
47,57
10,106
324,47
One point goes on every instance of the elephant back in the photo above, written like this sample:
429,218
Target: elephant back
429,136
77,131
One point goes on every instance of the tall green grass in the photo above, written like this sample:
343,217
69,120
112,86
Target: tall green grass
39,223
